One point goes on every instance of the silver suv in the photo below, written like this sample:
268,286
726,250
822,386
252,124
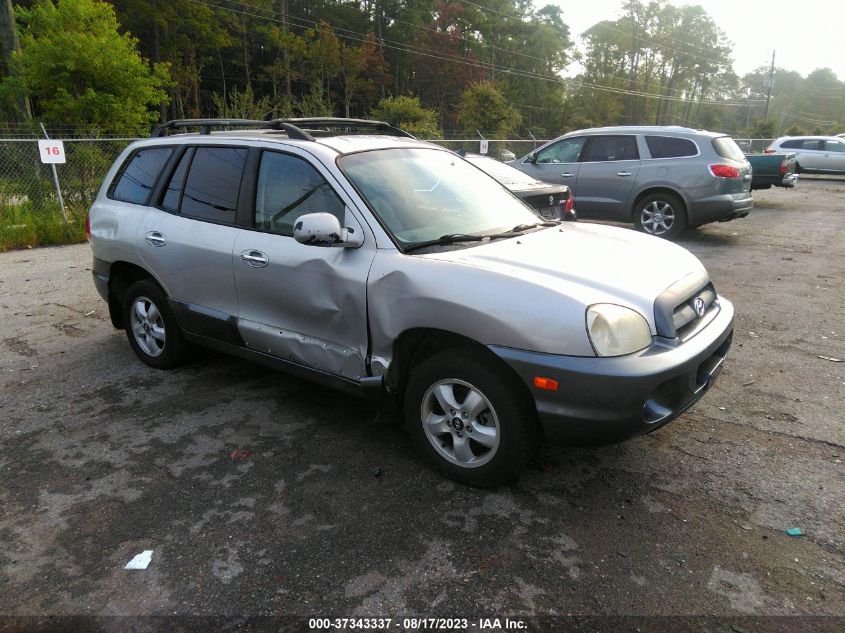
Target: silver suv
813,154
394,269
663,179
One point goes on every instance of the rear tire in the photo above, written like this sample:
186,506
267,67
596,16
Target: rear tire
797,168
661,214
150,326
470,418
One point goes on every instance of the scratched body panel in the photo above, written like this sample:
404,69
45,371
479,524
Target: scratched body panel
309,305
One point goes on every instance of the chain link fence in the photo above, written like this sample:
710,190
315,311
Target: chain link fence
25,180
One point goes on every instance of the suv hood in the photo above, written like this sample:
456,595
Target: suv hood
590,263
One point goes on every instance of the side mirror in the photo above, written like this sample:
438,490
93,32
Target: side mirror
323,229
531,158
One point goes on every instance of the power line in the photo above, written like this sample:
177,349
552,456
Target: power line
431,54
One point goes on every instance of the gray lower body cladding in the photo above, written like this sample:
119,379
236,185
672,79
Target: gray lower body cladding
720,208
608,400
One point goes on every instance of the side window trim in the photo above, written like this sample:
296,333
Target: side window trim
167,174
125,165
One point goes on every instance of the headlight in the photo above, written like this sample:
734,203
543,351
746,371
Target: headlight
616,331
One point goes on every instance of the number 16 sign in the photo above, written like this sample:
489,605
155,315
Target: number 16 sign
51,151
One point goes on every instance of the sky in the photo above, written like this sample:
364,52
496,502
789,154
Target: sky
806,34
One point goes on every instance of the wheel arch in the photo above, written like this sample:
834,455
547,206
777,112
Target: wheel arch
123,274
415,345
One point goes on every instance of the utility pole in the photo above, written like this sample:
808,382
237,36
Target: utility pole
771,81
10,43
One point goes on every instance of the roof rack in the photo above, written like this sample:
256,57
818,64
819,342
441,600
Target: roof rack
205,126
343,125
320,126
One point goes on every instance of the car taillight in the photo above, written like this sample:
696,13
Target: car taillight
783,166
88,225
769,151
570,203
724,171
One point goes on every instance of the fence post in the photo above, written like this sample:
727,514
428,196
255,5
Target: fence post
58,188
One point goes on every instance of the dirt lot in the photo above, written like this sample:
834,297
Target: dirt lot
332,514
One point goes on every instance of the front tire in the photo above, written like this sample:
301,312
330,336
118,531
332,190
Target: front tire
470,418
661,214
150,326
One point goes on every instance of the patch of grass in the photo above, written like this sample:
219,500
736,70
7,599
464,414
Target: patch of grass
22,226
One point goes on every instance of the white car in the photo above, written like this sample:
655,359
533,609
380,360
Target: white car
814,154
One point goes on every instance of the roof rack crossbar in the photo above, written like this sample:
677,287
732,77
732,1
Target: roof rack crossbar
205,126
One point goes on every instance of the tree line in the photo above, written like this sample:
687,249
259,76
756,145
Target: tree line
436,67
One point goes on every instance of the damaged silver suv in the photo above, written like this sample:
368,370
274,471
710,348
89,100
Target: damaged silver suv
349,253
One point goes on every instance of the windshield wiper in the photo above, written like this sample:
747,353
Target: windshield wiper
451,238
521,228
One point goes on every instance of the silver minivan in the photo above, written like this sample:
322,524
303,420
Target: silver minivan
663,178
395,270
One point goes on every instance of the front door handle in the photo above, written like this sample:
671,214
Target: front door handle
566,174
623,173
254,258
154,238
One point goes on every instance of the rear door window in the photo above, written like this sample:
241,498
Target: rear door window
612,148
726,147
139,174
670,147
213,184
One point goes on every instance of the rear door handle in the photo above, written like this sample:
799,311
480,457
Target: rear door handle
254,258
623,173
566,174
154,238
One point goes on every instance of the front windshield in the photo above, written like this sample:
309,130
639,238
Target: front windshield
424,194
505,174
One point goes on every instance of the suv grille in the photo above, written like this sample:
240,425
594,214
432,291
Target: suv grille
687,315
684,306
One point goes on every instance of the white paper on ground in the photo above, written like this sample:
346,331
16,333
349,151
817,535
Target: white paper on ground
141,560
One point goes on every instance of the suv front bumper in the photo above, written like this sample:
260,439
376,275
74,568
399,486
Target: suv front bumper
607,400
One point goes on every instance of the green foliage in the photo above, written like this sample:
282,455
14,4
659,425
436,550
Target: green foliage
408,114
764,128
21,226
241,104
79,70
484,108
313,103
794,130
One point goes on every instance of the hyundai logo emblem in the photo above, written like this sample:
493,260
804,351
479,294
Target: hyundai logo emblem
698,306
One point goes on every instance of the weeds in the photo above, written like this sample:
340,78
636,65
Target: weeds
21,226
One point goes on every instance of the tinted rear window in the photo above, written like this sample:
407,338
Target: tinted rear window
139,175
610,148
213,184
670,147
727,148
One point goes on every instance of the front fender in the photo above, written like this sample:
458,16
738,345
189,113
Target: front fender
406,292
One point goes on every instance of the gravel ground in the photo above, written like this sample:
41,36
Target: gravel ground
332,514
